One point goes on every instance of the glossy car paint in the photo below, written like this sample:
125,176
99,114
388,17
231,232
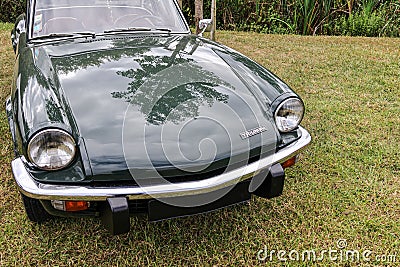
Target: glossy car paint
93,87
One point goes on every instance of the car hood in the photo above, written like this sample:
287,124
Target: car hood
165,105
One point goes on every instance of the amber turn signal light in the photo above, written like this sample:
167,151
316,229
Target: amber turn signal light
290,162
76,205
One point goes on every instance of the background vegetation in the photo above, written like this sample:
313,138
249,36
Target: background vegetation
346,185
11,9
306,17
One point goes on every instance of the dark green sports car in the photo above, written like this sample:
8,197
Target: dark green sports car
117,109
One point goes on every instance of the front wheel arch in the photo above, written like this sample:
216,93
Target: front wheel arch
35,210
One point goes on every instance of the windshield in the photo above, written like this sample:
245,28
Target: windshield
97,16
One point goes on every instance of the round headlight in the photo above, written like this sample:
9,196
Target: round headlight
289,114
51,149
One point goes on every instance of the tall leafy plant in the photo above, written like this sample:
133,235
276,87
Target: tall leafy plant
327,9
309,12
350,4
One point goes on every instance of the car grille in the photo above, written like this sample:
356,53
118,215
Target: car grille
138,206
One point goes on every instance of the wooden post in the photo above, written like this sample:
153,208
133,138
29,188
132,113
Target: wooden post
198,14
214,19
180,3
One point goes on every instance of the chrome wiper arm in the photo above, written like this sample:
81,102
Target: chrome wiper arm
63,35
136,29
53,36
133,29
163,29
87,33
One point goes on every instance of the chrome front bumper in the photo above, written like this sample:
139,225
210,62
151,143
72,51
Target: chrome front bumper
31,188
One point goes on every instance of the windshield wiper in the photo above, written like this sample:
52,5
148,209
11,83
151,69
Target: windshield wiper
64,35
136,29
140,29
91,34
53,36
163,29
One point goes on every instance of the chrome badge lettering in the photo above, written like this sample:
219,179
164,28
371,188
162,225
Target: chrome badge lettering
253,132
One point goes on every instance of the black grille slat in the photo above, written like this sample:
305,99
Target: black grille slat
138,206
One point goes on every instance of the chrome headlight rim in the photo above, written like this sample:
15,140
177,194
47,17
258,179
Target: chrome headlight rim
298,121
40,133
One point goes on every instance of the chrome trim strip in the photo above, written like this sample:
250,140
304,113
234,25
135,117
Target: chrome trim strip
9,113
31,188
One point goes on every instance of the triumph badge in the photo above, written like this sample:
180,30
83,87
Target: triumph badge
253,132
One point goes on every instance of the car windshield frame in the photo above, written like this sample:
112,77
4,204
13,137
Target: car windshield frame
106,31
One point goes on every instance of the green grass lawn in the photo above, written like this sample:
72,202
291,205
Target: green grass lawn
346,186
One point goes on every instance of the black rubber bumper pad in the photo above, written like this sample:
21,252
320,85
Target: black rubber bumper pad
115,215
273,183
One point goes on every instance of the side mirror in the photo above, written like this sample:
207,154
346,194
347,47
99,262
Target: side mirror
20,27
205,26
